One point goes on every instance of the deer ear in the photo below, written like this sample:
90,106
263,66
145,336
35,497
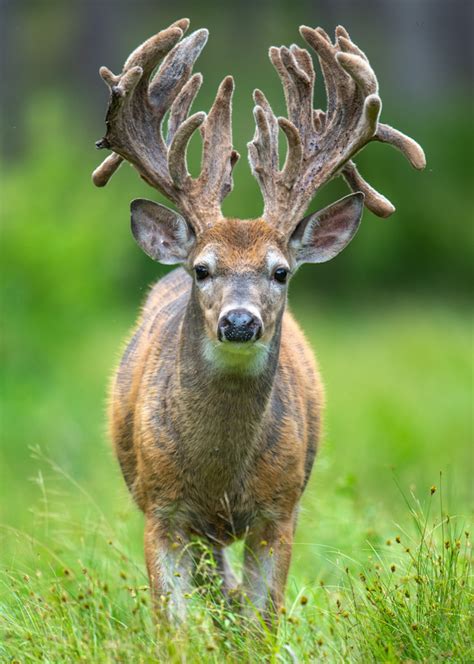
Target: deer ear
322,235
162,234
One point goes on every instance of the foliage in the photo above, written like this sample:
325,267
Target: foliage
77,595
398,387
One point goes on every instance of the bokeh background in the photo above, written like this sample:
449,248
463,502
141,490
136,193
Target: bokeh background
389,318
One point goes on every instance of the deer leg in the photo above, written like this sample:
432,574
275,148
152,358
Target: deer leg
267,558
170,567
229,580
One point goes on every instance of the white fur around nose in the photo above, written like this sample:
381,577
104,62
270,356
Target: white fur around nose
252,309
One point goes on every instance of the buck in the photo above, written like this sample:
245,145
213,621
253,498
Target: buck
215,410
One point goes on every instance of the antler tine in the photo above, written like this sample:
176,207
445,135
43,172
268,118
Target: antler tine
135,116
407,146
107,168
374,201
321,144
218,157
181,105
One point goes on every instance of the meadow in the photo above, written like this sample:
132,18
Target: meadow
381,565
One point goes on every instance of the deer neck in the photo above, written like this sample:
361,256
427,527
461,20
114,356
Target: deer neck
221,411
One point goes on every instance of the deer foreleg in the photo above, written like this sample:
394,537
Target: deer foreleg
266,561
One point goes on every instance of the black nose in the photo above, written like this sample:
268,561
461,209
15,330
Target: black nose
239,325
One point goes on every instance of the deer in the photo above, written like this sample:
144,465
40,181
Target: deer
216,407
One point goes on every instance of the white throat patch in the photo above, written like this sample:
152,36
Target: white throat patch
236,357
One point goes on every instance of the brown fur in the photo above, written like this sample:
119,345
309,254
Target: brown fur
217,438
211,453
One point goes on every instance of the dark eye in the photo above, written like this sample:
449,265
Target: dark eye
281,275
201,272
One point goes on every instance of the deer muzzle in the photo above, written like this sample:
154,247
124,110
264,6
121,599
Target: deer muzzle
239,325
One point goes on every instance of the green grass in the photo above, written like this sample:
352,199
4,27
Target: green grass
399,386
73,585
76,593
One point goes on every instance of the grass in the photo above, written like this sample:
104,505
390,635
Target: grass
77,594
72,580
378,574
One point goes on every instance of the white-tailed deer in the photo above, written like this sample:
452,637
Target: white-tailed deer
215,410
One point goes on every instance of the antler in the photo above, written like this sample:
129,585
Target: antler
320,144
134,123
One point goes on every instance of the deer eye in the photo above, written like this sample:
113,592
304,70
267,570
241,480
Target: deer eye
201,272
281,275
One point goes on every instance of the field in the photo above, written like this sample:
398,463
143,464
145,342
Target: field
381,565
380,571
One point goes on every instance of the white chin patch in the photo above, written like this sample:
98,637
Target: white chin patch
249,357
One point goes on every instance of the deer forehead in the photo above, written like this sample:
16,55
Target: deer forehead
235,245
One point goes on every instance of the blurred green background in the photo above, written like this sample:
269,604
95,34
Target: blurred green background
389,318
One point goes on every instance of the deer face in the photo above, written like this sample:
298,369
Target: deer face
241,269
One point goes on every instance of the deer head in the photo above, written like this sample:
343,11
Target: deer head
241,268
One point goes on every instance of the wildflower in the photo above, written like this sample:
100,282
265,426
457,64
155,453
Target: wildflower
388,542
303,600
398,539
433,489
